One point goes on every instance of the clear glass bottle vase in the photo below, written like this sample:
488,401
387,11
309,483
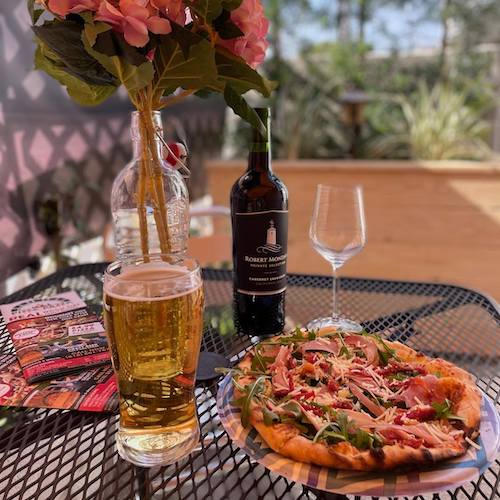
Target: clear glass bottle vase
149,199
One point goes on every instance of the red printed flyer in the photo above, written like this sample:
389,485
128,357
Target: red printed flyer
55,335
90,390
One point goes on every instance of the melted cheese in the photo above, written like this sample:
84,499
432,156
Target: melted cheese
474,445
387,416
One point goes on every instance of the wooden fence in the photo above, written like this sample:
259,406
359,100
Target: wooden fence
427,221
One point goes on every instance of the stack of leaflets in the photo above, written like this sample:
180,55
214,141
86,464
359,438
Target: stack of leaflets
62,356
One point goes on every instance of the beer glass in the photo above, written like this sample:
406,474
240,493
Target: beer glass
153,310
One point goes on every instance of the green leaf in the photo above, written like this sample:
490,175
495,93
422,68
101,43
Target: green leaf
385,353
185,60
311,335
269,416
233,70
343,430
330,430
401,376
259,362
225,27
231,4
362,440
204,93
80,91
111,44
92,30
35,13
443,410
206,9
31,7
134,77
294,408
64,39
241,108
251,391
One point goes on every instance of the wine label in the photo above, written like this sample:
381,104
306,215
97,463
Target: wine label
261,251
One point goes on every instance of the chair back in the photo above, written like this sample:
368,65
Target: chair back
210,242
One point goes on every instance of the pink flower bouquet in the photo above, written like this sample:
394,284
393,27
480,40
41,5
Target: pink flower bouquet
160,51
155,48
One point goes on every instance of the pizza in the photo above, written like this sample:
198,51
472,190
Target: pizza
355,401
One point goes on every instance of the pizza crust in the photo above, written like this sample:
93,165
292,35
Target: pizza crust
286,440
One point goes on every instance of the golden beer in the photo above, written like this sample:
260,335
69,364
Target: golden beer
154,321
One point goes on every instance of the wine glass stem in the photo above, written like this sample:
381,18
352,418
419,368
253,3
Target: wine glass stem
335,293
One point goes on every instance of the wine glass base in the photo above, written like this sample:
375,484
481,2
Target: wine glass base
346,325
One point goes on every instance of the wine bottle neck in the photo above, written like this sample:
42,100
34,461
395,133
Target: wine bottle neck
259,161
259,158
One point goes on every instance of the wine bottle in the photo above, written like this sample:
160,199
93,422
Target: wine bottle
259,215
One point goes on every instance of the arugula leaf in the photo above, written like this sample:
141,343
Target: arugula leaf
343,430
269,416
386,352
311,335
344,351
252,391
259,362
294,408
403,375
443,411
384,357
364,440
298,336
236,371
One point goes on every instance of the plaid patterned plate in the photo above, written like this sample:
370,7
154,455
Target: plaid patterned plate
443,476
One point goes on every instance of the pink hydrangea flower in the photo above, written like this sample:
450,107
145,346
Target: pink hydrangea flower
250,18
133,18
64,7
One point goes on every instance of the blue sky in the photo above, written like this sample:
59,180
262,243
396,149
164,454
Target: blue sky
403,26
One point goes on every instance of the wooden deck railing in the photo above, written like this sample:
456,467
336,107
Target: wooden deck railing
427,221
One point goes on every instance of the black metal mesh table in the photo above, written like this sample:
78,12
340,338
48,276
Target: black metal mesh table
48,454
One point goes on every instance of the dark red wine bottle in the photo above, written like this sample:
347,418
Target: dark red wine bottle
259,214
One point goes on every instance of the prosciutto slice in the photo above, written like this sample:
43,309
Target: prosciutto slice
279,372
269,350
360,419
280,381
314,419
322,344
425,390
367,345
282,357
370,405
417,430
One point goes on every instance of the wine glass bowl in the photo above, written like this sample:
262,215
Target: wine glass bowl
337,233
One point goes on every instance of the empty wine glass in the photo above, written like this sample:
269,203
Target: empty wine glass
337,232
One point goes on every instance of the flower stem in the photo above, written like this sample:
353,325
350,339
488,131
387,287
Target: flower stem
151,178
141,207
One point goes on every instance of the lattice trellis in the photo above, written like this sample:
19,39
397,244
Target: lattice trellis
42,132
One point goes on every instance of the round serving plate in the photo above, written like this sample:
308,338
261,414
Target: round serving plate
447,475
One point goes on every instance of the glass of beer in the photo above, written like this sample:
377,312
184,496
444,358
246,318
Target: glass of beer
153,310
